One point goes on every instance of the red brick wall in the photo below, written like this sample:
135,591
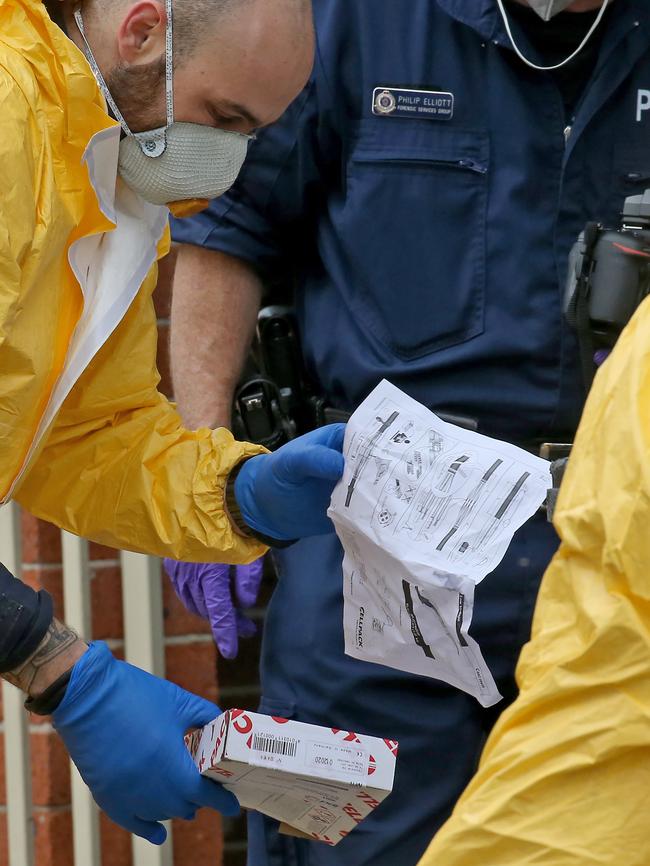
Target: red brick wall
191,662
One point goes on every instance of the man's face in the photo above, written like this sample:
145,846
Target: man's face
241,72
257,63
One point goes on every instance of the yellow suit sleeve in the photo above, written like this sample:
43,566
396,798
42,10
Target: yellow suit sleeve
564,774
33,231
118,467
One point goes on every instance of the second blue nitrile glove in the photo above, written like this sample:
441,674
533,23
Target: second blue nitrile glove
124,731
285,495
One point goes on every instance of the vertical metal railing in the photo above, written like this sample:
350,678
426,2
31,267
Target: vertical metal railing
20,822
144,646
76,603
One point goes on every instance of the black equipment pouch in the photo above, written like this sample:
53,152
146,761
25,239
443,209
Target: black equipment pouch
261,414
608,277
279,402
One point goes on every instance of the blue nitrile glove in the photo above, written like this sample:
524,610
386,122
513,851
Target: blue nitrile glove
285,495
217,593
124,730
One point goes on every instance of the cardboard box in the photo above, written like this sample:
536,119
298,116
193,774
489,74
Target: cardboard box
321,782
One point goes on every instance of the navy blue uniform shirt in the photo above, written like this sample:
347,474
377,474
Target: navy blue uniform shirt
432,251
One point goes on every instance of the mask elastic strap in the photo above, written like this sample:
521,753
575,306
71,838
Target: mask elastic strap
153,142
169,64
90,57
532,65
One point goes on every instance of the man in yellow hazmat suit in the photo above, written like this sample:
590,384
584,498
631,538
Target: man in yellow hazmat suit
563,779
86,439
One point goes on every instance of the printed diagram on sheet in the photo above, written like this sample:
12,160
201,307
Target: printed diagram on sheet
425,510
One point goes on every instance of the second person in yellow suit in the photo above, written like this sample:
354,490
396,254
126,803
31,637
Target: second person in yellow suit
564,777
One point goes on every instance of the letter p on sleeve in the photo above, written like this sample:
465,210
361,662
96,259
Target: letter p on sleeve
642,103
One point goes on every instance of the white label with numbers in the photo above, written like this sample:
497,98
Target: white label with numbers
331,759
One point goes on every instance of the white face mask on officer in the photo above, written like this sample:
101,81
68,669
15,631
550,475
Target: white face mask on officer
178,162
546,9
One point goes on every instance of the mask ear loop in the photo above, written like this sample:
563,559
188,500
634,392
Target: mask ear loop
532,65
90,57
153,142
169,63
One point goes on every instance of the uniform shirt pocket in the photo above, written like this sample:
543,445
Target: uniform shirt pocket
414,224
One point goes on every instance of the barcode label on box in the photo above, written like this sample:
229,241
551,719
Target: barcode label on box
270,749
275,745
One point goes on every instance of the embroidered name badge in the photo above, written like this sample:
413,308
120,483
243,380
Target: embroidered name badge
421,104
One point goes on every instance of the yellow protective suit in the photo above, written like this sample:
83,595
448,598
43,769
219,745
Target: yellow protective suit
116,464
564,779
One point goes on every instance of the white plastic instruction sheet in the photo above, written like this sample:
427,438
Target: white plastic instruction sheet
425,510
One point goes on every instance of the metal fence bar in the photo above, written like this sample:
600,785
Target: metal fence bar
145,647
20,823
76,595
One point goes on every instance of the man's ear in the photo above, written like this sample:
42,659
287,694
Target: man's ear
141,32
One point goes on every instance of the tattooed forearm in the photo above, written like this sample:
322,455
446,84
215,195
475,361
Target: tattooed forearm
56,653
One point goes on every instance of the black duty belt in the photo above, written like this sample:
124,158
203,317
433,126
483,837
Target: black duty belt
557,453
550,451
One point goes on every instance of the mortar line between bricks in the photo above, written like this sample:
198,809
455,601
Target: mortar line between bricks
34,728
182,639
53,566
50,810
170,640
42,566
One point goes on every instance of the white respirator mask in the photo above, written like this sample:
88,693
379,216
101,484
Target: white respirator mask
177,162
546,9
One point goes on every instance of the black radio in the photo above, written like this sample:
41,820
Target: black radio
609,276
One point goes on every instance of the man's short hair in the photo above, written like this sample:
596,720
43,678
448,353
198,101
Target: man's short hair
134,88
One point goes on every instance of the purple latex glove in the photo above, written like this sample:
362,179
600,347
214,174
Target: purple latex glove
216,592
601,355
